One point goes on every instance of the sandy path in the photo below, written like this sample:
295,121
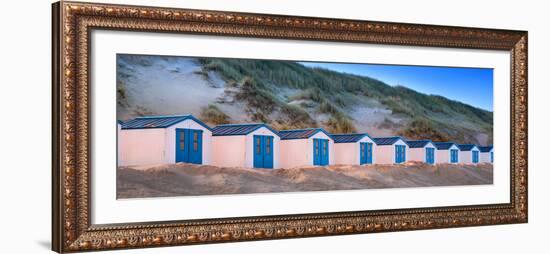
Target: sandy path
191,180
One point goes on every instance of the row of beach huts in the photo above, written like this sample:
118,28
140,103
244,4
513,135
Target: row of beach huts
155,140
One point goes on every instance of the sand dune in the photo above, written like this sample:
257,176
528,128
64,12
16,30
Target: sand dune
191,180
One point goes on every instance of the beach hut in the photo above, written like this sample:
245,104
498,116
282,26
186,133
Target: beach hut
486,154
306,147
446,152
153,140
353,149
469,154
254,145
391,150
118,129
422,151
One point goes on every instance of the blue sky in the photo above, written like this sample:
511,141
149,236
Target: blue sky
473,86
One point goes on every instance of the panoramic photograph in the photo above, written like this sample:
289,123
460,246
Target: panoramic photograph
190,126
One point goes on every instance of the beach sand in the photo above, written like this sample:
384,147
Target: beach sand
190,180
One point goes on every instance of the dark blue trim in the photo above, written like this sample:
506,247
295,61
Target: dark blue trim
309,136
427,142
143,128
473,146
259,125
351,134
450,147
184,117
482,148
393,137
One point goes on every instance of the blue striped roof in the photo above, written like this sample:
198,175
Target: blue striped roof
485,149
443,145
418,143
466,147
348,138
384,141
301,134
239,129
151,122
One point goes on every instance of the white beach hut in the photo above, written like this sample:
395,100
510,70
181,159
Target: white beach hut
306,147
254,145
469,154
486,154
446,152
391,150
118,129
422,151
354,149
154,140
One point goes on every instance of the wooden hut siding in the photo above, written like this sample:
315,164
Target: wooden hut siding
143,147
486,157
229,151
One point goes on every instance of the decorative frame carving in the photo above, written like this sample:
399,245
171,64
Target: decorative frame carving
71,226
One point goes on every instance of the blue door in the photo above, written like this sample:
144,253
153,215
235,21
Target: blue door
400,154
316,152
369,153
189,146
430,155
268,152
365,153
324,152
475,156
362,153
492,157
454,156
320,152
397,154
263,151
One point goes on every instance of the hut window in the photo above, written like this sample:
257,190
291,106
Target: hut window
267,145
195,141
316,147
258,147
182,140
325,147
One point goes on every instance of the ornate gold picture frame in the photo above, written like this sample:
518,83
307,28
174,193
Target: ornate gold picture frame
72,229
